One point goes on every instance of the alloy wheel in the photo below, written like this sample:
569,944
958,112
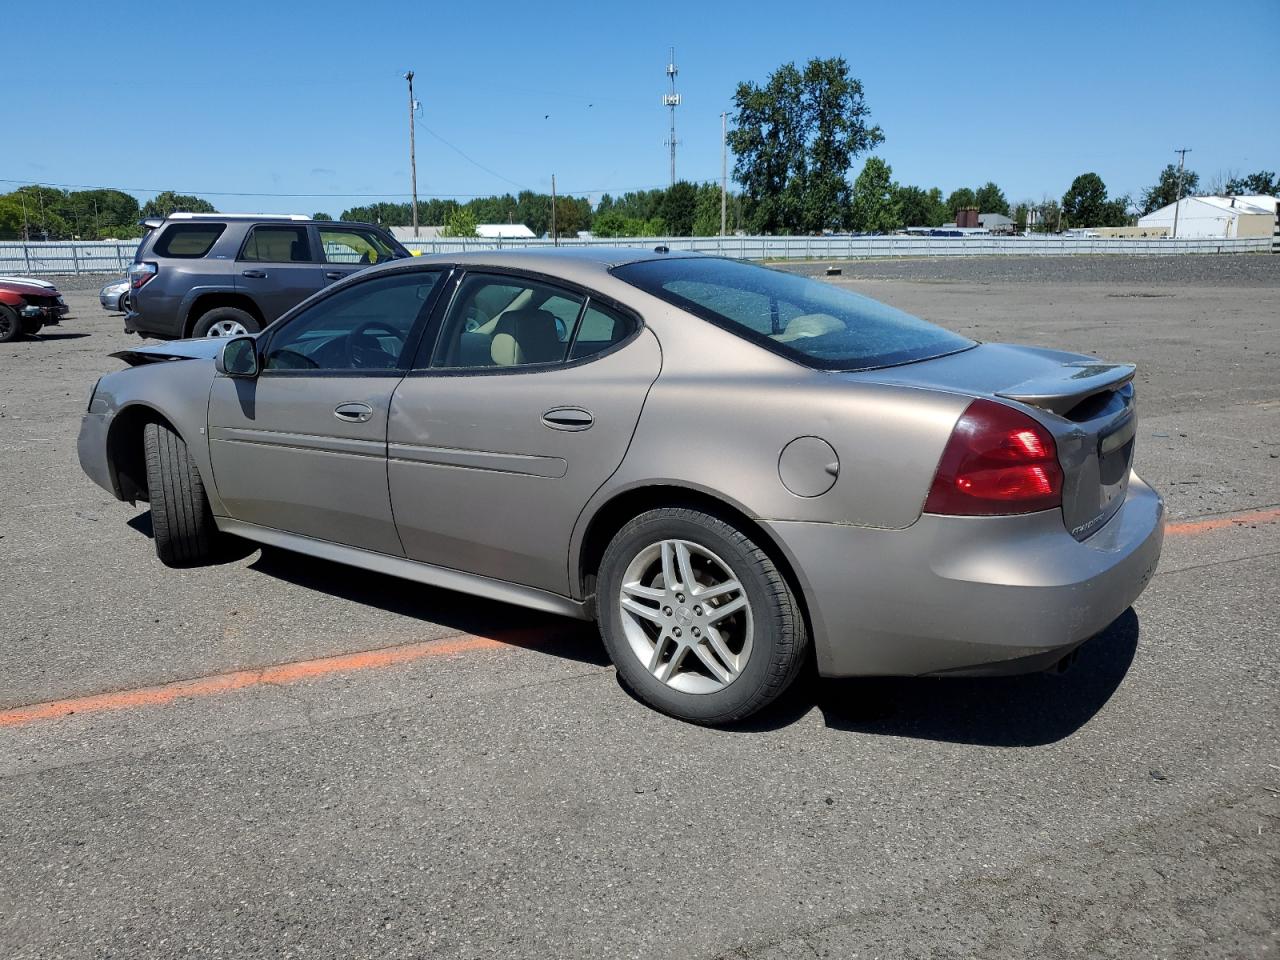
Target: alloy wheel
226,328
686,616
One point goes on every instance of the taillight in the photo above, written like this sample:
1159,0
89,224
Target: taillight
998,461
140,273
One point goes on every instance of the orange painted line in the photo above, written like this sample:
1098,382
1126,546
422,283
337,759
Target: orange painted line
215,684
1221,523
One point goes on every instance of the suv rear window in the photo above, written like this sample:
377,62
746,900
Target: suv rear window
814,323
188,240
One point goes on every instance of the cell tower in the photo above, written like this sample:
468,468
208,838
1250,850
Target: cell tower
672,100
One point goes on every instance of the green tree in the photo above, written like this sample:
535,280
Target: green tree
961,199
679,207
167,202
1085,202
874,203
706,219
460,223
611,223
921,208
794,140
1264,182
1165,190
990,199
321,215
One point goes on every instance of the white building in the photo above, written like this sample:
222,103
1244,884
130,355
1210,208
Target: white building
1216,217
504,231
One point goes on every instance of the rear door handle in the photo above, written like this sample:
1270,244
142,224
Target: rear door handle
334,275
353,412
568,418
255,274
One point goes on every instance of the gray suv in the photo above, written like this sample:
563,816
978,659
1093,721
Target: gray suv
219,275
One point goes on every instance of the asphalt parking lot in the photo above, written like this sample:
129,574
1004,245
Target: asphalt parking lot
282,757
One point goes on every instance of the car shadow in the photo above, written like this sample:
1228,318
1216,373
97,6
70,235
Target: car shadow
62,336
1022,711
517,626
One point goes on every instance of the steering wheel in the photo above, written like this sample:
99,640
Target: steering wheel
365,351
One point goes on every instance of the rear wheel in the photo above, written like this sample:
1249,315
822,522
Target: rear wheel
226,322
698,619
181,520
10,324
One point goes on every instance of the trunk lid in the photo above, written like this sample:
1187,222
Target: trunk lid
1086,403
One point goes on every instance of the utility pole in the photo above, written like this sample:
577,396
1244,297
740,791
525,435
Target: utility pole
724,168
555,237
1177,200
672,100
413,160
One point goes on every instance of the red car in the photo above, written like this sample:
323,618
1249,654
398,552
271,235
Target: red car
27,307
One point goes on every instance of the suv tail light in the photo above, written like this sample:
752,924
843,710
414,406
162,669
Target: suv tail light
140,273
998,461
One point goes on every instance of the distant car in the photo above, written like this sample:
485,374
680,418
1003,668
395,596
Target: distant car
220,274
726,466
114,297
26,308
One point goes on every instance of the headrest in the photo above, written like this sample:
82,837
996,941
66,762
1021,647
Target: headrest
526,336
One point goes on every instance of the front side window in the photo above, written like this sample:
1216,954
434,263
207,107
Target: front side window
364,327
354,246
507,322
188,241
272,244
814,323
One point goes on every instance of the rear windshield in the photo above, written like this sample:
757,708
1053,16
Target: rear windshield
815,323
190,240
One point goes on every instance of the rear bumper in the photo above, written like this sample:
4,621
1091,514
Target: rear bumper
969,595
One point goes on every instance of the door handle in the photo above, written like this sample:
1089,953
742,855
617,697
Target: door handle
255,274
568,418
334,275
353,412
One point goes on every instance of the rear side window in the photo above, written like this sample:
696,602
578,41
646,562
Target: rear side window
277,245
188,240
600,329
814,323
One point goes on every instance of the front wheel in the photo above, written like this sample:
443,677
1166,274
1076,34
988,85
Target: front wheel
698,619
10,324
181,519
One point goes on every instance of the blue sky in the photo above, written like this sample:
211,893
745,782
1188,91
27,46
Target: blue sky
282,98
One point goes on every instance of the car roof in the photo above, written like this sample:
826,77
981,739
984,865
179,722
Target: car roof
586,260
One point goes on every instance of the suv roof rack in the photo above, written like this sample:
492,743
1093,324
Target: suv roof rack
182,215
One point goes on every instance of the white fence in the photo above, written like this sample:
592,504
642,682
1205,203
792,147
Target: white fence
108,256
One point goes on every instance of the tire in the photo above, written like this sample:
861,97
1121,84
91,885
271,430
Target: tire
10,324
181,520
222,321
758,651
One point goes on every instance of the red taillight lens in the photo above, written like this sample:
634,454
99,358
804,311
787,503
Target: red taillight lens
140,273
998,461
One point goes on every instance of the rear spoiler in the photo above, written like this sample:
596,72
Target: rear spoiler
1070,384
150,223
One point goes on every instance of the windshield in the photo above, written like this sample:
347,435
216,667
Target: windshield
815,323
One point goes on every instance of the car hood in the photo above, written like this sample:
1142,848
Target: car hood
28,289
205,348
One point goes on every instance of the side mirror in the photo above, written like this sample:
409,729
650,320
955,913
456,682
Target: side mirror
238,358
